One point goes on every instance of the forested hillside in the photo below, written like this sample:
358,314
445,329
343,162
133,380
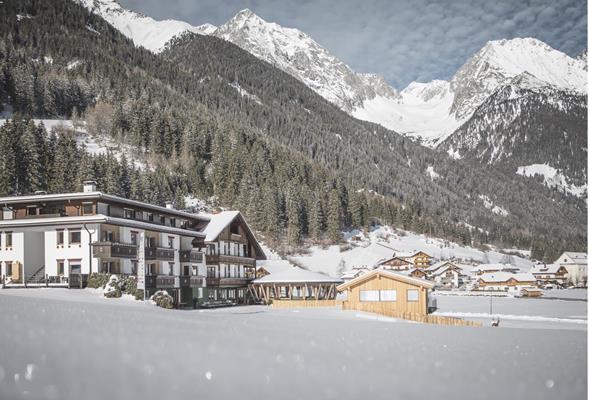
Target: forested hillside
209,119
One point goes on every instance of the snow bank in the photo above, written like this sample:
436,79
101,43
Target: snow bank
553,179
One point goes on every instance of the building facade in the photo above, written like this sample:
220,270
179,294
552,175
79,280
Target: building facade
576,265
63,238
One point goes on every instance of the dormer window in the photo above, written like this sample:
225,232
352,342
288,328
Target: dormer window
129,213
87,209
173,222
162,219
32,210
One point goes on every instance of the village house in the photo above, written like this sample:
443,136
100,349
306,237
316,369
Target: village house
419,259
449,275
395,264
576,266
354,273
550,274
491,268
386,292
417,273
505,281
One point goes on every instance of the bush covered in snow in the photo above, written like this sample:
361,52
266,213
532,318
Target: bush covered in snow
96,281
113,287
162,299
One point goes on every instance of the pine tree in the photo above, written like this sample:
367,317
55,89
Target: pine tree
334,220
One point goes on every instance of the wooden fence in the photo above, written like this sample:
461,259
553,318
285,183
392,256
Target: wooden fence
311,303
381,308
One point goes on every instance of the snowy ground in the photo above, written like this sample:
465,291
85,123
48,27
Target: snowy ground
551,312
61,344
384,242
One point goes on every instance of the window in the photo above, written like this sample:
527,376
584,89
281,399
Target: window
388,295
162,220
369,295
150,217
8,268
8,239
171,242
60,267
75,267
134,264
60,237
171,268
173,222
234,229
151,269
133,237
31,210
75,237
129,214
87,209
186,270
108,236
412,295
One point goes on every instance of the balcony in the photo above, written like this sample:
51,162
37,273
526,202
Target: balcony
192,281
194,256
216,259
227,281
160,281
114,250
159,253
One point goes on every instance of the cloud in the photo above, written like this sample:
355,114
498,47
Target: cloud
404,40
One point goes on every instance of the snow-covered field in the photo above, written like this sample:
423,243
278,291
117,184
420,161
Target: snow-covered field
549,311
61,344
384,242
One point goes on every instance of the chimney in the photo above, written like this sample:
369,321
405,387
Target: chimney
89,186
169,205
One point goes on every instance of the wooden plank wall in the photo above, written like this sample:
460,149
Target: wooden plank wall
305,303
380,308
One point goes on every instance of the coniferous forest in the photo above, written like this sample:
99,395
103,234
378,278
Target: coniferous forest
207,119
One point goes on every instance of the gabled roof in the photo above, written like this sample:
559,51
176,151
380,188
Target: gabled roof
579,258
273,266
400,258
388,274
494,277
438,265
445,268
546,269
297,275
221,220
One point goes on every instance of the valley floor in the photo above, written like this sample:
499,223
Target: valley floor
60,344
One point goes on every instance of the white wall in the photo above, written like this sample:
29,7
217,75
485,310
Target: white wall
69,252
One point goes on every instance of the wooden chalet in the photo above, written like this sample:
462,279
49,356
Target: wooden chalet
396,264
384,291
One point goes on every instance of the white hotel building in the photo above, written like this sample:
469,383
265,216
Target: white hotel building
62,238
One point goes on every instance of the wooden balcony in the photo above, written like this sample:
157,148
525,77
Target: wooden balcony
216,259
192,281
194,256
159,253
114,250
160,281
212,282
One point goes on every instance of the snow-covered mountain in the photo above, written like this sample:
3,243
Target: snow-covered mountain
429,112
300,56
144,31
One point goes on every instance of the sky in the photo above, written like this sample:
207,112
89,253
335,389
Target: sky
403,40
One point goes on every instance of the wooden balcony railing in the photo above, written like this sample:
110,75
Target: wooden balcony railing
114,250
220,258
159,253
194,256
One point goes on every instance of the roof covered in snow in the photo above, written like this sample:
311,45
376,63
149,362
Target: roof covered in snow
217,223
506,276
545,269
221,220
495,267
579,258
297,275
273,266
